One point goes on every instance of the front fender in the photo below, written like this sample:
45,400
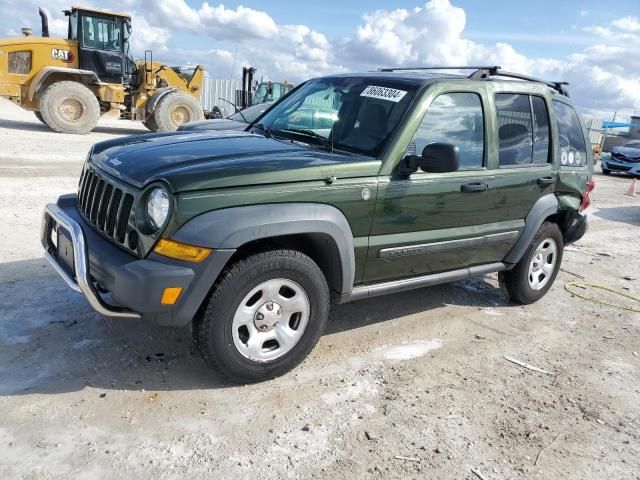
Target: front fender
233,227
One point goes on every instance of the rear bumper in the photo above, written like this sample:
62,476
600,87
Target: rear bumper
118,284
576,229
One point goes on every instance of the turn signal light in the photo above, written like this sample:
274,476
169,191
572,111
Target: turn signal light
170,295
181,251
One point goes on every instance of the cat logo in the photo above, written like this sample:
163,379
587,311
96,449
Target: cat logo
60,54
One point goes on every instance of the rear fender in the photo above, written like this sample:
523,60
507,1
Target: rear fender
86,77
543,208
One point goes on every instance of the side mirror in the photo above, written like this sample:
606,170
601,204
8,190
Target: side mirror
439,158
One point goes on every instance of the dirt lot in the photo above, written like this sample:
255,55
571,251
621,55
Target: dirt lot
414,385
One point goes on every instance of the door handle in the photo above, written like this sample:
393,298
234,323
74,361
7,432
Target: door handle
474,187
548,180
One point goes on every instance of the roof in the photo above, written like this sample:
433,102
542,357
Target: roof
414,77
422,76
103,12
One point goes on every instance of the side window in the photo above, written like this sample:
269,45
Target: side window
454,118
515,129
573,149
540,131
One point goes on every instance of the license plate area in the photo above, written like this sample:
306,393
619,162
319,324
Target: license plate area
64,250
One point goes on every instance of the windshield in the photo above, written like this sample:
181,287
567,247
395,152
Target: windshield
354,114
249,114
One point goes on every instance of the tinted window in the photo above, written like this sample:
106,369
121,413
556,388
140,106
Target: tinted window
573,149
515,129
540,130
454,118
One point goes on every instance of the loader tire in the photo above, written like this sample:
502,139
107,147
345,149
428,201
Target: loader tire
175,109
69,107
150,123
39,116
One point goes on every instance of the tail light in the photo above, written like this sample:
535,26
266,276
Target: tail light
586,196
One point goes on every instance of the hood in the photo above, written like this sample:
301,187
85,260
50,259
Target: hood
216,124
204,160
628,153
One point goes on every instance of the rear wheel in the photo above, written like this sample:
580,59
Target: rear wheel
175,109
534,274
69,107
606,172
264,316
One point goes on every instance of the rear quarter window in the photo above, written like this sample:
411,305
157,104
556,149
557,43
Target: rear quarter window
573,147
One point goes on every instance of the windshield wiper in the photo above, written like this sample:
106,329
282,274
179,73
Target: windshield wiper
310,133
266,130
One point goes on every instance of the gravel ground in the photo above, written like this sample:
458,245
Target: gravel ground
413,385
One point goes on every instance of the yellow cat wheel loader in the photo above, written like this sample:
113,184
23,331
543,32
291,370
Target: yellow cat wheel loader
68,83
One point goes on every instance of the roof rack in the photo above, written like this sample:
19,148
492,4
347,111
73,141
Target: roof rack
486,72
400,69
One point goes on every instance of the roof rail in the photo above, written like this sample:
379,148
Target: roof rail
399,69
486,73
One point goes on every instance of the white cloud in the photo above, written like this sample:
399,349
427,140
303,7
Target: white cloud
603,70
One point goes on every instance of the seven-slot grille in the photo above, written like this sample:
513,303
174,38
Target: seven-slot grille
107,208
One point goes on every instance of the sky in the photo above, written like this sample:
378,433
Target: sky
593,45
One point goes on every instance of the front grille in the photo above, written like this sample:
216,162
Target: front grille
620,168
107,208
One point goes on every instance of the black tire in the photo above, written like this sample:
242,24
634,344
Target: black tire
82,111
175,109
214,325
516,282
606,172
150,123
39,117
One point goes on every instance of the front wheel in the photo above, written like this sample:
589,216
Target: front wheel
606,172
175,109
264,316
534,274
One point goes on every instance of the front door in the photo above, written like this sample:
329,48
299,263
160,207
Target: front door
101,46
433,222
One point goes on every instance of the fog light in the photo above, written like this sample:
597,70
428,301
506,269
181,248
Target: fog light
170,295
181,251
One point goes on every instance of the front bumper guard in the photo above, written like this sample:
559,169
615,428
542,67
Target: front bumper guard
81,283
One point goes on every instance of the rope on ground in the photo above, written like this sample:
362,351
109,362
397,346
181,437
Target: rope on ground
571,288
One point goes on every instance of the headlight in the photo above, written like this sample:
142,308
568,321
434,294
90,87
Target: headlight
157,207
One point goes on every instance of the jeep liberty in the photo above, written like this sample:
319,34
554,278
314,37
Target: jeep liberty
351,186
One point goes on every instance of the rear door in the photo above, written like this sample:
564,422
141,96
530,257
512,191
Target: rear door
524,171
432,222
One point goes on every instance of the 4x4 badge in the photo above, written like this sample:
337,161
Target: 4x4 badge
366,194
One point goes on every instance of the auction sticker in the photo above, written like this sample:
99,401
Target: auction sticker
383,93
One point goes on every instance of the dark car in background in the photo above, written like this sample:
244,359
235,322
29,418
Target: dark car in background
624,159
237,121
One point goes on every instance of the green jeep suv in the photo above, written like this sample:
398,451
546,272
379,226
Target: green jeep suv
408,178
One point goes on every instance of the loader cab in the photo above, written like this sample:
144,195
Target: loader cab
103,43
